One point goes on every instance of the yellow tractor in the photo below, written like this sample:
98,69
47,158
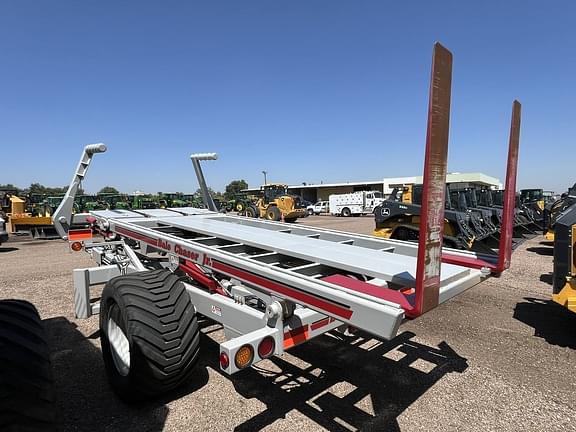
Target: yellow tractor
276,204
38,224
564,276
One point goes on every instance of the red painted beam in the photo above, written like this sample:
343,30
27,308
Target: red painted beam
505,248
434,183
383,293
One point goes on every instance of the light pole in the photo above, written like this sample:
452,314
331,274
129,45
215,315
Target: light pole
264,172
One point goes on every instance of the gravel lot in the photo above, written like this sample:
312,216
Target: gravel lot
499,357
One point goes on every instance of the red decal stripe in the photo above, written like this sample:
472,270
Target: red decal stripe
295,336
321,323
321,304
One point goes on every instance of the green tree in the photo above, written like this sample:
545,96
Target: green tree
37,188
213,194
234,187
10,187
108,190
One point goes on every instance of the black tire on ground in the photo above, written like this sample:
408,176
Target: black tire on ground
310,212
27,395
251,211
273,213
401,233
240,207
346,212
153,311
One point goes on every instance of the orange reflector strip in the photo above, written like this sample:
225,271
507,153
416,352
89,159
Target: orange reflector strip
80,234
296,336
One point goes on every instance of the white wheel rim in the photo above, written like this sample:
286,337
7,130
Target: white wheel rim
120,347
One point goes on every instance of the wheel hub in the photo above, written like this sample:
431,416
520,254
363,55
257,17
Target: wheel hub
120,347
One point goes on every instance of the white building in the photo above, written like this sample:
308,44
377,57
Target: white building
317,192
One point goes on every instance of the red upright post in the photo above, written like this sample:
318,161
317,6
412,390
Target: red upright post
505,247
434,184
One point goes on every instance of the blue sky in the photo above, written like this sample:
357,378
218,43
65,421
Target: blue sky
309,91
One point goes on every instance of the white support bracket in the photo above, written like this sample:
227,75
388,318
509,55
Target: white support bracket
85,278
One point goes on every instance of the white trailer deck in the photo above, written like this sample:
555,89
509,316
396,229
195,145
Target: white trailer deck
303,260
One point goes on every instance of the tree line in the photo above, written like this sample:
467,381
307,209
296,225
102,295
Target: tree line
232,189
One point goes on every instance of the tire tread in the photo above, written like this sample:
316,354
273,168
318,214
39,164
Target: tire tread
27,394
164,329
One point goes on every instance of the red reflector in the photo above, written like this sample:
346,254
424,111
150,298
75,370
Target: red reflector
76,246
79,234
266,347
224,360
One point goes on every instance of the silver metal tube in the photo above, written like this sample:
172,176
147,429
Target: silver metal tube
95,148
204,156
62,217
196,158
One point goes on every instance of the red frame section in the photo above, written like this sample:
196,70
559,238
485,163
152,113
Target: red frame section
192,270
505,250
372,290
322,304
507,227
427,290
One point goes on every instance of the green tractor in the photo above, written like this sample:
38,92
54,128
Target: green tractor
177,199
52,202
144,202
86,203
239,203
114,201
194,200
37,204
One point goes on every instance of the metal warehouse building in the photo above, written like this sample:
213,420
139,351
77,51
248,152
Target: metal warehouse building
317,192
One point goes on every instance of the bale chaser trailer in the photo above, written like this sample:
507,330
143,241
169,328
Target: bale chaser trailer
270,285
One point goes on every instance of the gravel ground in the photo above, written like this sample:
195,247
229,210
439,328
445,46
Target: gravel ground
496,358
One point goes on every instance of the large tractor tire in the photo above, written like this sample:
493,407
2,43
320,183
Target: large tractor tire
149,334
251,211
273,213
27,395
240,207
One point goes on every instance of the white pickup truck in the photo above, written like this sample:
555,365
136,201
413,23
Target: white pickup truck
318,208
355,204
3,232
